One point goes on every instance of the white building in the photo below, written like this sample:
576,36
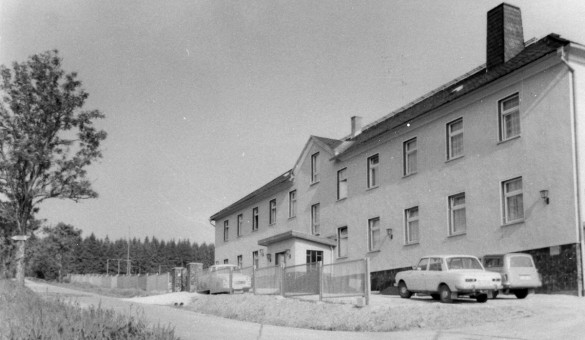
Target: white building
492,162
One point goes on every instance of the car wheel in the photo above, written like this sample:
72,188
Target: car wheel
445,294
481,298
493,294
521,294
403,291
436,296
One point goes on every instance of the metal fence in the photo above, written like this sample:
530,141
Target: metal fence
336,280
267,280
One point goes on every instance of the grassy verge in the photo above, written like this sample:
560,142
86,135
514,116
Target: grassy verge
113,292
384,317
24,315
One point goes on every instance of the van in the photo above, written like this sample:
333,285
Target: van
519,274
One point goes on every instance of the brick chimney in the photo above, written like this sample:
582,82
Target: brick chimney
356,125
505,38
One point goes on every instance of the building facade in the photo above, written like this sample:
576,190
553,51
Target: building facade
489,163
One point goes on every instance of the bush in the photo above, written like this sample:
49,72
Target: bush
24,315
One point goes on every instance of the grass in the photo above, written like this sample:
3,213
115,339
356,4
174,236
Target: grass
387,317
24,315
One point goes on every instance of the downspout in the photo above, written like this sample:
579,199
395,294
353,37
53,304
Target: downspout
580,284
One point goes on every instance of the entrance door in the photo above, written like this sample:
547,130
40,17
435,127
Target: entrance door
280,259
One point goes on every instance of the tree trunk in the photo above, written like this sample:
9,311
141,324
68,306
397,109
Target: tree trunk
20,262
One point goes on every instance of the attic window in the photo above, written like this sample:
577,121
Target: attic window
457,89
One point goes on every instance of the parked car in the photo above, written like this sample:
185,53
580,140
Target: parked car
519,274
446,277
217,279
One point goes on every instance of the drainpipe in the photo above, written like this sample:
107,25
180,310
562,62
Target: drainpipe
580,256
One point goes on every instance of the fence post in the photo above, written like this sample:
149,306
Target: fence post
231,280
367,288
320,268
254,279
282,279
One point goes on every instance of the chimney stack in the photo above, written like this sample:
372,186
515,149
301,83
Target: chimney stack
505,38
356,125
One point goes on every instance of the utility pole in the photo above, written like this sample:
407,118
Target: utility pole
128,254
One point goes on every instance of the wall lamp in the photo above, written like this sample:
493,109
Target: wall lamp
544,196
262,252
389,233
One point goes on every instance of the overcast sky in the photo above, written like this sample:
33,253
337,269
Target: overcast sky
205,101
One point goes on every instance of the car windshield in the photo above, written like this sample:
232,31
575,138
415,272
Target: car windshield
520,262
455,263
493,262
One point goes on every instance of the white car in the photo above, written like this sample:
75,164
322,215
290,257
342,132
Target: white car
519,274
446,277
217,279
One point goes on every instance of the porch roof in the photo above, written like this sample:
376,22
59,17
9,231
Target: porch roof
295,234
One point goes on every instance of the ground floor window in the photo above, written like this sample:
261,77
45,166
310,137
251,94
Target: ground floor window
314,256
240,261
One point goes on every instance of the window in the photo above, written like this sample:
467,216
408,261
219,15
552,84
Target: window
436,264
314,256
342,238
342,184
509,117
412,228
239,224
422,264
410,151
255,258
315,219
513,200
255,219
374,234
457,221
292,204
240,261
272,216
225,261
314,168
373,170
455,139
226,230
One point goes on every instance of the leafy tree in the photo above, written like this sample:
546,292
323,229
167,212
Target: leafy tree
46,141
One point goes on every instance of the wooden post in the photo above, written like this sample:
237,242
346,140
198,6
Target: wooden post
320,269
254,279
231,280
367,288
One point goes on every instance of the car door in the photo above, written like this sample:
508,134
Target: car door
417,281
434,274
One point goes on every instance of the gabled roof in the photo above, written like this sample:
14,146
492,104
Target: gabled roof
445,94
275,183
454,90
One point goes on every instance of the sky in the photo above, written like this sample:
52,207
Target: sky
206,101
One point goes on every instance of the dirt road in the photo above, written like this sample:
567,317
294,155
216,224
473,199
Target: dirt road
555,317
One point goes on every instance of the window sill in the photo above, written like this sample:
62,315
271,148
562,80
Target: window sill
272,224
342,258
457,235
292,217
412,244
454,159
254,230
341,199
313,183
373,251
372,188
409,175
509,139
510,224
